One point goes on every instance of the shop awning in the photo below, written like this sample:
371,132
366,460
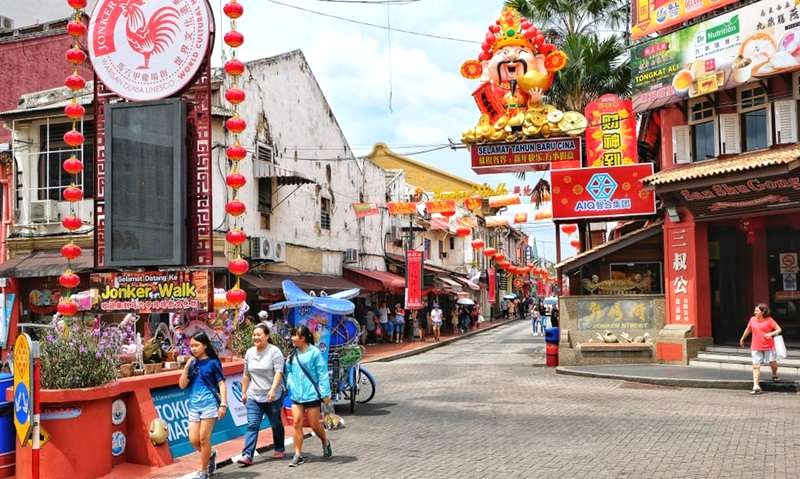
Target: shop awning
375,281
776,161
39,264
283,176
449,283
607,248
469,284
307,282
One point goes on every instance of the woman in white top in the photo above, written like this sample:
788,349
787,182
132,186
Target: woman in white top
436,321
262,393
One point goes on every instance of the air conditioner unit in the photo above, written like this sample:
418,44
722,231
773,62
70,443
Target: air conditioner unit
6,23
279,251
260,248
44,211
351,255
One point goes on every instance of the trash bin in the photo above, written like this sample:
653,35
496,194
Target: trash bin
8,444
551,338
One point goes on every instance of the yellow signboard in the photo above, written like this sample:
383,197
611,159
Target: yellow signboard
23,387
44,437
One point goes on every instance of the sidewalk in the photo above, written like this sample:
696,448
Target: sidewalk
392,351
684,376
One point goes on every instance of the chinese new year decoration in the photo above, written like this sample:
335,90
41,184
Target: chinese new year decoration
73,166
569,229
235,208
516,68
611,134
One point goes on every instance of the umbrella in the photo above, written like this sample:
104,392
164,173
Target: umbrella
465,302
510,296
334,304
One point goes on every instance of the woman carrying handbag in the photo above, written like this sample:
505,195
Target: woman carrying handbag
309,387
762,347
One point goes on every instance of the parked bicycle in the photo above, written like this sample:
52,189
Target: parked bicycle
350,381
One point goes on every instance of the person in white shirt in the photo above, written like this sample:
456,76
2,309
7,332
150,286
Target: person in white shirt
436,321
263,316
383,315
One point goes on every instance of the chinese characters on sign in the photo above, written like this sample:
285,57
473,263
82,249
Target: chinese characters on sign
679,287
401,208
611,135
414,279
603,314
528,155
152,291
492,278
605,192
651,16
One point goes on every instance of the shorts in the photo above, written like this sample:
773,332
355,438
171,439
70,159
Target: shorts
309,404
210,413
763,357
437,324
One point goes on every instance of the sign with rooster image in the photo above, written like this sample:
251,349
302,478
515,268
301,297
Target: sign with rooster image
149,49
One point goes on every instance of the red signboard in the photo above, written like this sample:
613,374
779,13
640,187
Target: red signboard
401,208
606,192
365,209
444,207
492,278
529,155
414,279
650,16
611,135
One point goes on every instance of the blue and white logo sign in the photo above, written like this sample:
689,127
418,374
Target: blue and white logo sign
21,403
118,412
118,442
601,187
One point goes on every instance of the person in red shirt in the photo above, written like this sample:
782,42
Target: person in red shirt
762,347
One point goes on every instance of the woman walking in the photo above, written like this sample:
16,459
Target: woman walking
309,386
762,347
262,393
399,323
436,321
207,399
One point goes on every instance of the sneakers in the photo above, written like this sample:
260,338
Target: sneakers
212,463
296,461
326,450
201,475
245,461
278,455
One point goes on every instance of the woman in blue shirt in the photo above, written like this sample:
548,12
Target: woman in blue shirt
309,386
207,399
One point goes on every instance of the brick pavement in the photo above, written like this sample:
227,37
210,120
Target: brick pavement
482,407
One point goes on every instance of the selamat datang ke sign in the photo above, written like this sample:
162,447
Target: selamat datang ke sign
606,192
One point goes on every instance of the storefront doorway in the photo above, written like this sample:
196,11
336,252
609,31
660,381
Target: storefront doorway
729,262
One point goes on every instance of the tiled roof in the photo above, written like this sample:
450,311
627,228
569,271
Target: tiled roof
703,169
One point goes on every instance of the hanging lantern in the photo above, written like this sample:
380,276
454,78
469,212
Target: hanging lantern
236,296
489,252
236,237
67,307
499,257
463,231
575,244
234,67
236,153
238,267
504,265
477,244
72,194
71,222
235,208
70,251
520,218
569,229
69,280
235,180
543,215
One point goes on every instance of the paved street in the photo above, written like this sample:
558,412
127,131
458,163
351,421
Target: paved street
484,407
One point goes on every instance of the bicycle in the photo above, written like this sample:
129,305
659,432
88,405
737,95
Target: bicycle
349,380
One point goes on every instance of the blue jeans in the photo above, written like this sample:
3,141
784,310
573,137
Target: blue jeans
255,413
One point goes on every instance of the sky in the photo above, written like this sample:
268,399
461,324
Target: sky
399,89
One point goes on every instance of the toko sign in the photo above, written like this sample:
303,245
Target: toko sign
149,49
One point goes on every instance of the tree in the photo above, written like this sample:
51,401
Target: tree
562,18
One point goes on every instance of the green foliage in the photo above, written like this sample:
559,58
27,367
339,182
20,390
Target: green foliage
78,357
242,340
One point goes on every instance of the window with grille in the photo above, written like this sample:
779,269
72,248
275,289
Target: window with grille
325,214
702,116
754,116
452,243
264,152
265,196
427,244
52,153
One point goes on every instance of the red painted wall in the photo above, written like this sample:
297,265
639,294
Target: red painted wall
670,116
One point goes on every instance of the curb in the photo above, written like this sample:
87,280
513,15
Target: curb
431,346
685,383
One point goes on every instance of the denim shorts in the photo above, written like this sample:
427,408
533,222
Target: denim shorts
210,413
763,357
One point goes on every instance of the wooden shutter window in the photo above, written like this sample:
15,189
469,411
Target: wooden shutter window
681,145
729,134
785,121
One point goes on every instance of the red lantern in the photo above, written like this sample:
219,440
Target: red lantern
77,4
76,56
70,251
233,10
504,264
234,39
72,165
448,214
236,153
238,266
235,208
74,82
236,237
74,111
73,194
235,180
73,138
569,229
499,257
76,28
235,95
234,67
69,280
67,307
489,252
236,296
71,223
575,244
235,124
478,244
463,231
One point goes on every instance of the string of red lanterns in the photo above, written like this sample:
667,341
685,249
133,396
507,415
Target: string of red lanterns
235,208
76,57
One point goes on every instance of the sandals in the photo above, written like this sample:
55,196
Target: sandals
755,391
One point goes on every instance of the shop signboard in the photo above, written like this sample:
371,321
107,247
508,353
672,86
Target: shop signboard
398,208
172,406
529,155
736,198
748,44
492,277
413,297
681,261
149,291
611,135
615,314
651,16
606,192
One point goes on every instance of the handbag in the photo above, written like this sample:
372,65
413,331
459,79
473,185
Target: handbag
306,421
780,347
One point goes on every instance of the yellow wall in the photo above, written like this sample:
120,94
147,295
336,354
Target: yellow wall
428,178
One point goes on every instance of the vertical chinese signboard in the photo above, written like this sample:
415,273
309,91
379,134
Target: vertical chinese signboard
492,284
611,135
680,261
414,279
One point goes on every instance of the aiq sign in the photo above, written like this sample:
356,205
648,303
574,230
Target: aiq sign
606,192
531,155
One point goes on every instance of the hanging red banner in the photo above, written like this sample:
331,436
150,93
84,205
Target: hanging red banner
365,209
492,278
611,135
473,203
401,208
414,279
520,218
441,206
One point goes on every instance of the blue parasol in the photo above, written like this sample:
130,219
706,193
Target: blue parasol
334,304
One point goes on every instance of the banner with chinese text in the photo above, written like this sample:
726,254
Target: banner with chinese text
611,135
529,155
606,192
414,280
492,279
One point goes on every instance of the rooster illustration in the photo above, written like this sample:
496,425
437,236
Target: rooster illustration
149,37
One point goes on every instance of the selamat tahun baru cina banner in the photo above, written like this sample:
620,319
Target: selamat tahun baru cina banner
148,291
